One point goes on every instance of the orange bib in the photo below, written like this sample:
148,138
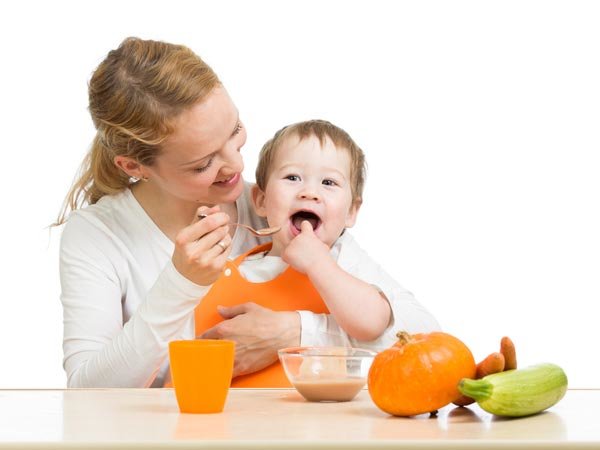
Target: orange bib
290,291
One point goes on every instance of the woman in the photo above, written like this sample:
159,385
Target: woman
135,263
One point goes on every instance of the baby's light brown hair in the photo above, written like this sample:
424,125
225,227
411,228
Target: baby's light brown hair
322,130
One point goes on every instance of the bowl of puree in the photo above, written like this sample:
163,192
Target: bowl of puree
327,374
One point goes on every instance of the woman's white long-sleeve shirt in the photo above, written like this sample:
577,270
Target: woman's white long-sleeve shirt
123,300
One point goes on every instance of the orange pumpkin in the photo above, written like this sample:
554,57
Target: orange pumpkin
420,373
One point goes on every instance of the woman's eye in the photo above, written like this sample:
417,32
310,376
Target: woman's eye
329,183
205,167
292,177
238,128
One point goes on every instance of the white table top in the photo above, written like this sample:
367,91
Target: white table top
277,418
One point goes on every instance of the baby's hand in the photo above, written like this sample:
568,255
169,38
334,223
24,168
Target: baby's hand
306,250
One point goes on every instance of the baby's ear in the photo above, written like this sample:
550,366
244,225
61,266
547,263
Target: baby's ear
353,213
258,201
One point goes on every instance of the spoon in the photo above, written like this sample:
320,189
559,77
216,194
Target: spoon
262,232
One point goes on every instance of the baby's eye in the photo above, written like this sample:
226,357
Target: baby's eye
329,182
292,177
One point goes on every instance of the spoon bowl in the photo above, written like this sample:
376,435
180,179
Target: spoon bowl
262,232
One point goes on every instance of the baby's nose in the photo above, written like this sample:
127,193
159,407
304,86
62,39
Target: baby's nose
309,194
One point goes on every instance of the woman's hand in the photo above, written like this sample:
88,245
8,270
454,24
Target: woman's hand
202,248
258,333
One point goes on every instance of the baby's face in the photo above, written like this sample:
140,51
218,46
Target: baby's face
308,182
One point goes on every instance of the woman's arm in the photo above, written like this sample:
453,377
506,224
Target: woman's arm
100,286
258,333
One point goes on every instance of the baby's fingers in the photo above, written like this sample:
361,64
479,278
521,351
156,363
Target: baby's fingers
306,227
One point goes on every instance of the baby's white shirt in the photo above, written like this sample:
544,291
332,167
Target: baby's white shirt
322,329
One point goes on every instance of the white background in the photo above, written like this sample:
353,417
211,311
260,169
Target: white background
480,122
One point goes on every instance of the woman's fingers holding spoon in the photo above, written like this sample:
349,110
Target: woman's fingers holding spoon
202,248
201,255
208,220
216,240
213,250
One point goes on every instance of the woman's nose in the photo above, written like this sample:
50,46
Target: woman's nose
233,161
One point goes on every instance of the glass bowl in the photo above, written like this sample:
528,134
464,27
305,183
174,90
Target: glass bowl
327,374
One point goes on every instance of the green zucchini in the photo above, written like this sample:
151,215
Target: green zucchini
518,392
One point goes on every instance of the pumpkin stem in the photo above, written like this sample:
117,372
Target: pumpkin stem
403,337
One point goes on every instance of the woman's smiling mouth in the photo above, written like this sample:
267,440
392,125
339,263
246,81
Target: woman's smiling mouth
231,181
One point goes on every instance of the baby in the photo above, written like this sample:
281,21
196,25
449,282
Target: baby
310,178
309,181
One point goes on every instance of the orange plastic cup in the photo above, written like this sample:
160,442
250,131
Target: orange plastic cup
201,373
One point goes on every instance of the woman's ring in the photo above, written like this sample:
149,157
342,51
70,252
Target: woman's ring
222,245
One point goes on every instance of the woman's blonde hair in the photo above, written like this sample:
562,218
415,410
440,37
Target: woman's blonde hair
134,96
322,130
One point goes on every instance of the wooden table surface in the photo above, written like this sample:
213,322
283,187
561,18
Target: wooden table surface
277,418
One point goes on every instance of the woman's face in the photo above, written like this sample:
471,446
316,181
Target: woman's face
201,161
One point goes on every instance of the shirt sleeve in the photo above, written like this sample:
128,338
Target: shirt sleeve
406,312
321,330
99,350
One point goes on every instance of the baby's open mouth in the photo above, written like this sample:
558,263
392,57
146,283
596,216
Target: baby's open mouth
300,216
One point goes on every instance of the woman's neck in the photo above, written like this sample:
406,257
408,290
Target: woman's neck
170,214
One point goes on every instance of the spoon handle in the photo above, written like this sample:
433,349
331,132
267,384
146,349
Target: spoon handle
262,232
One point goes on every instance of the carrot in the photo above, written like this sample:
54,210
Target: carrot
493,363
507,348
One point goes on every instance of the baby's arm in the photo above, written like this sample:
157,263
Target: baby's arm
357,306
408,313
